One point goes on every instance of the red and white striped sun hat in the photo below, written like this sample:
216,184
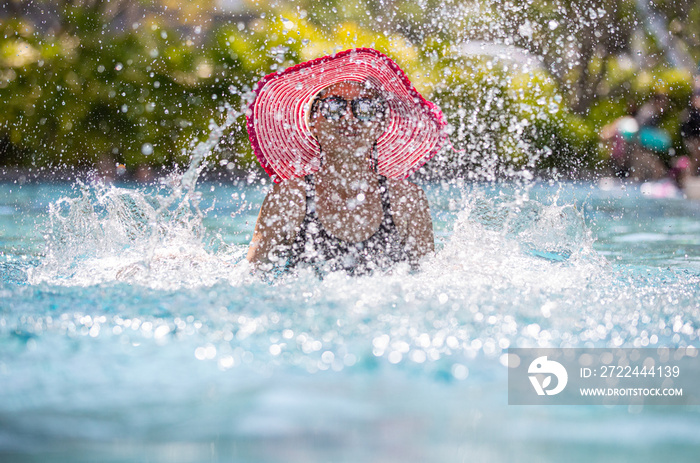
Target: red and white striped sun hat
278,124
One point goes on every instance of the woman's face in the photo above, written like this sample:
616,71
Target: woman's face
348,116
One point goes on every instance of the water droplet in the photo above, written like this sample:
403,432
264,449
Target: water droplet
460,371
525,29
287,24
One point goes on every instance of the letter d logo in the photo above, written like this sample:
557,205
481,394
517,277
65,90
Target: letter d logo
547,367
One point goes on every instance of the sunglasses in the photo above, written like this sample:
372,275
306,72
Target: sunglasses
364,109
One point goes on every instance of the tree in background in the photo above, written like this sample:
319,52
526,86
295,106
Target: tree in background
102,82
136,82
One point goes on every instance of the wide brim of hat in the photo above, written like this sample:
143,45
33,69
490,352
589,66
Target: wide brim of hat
278,124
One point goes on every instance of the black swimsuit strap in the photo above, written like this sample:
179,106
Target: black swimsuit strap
386,201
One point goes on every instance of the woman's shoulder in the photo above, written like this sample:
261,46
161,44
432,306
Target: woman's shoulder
410,213
402,188
286,197
290,186
294,183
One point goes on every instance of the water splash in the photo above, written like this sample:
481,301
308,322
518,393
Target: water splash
511,273
459,304
155,239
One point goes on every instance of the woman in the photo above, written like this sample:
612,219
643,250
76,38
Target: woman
339,135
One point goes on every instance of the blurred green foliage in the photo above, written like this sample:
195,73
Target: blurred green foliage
136,97
89,92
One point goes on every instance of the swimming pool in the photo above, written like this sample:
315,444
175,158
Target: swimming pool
131,330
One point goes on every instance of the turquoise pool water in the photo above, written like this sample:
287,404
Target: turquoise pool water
131,330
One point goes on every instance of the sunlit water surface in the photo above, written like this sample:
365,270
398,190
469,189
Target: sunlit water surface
131,329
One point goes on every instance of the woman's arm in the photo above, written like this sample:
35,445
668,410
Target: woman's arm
411,214
279,220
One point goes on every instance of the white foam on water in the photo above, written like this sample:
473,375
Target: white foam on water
152,239
116,234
